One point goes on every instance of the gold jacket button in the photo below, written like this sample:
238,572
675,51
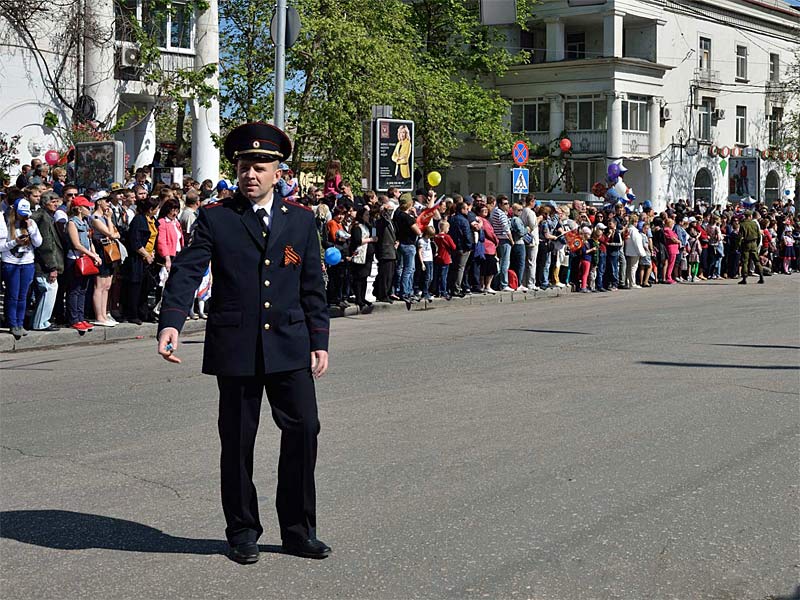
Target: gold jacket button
266,283
267,263
266,326
267,305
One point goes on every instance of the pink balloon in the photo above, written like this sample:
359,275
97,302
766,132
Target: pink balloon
51,157
565,144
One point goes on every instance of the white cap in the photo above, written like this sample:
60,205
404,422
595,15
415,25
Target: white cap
586,230
601,226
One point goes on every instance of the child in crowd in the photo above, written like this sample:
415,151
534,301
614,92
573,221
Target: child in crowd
444,246
585,255
693,249
594,240
788,251
425,254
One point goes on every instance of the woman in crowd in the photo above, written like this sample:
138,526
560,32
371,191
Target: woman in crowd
362,252
337,237
715,247
79,245
170,233
673,246
518,245
17,243
104,234
142,235
333,179
489,263
634,250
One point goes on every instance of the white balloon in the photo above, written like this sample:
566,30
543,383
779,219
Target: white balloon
621,187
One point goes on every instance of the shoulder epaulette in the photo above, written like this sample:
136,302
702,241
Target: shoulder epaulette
297,204
213,205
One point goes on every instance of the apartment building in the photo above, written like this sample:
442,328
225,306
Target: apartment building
668,87
101,76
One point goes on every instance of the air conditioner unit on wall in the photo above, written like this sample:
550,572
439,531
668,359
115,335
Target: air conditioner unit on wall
129,55
666,113
719,114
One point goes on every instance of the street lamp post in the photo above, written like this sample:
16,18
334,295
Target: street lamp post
280,62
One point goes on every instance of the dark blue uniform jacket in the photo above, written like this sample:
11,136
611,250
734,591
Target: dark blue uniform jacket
259,294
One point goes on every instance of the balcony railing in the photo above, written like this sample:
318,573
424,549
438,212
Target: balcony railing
588,142
635,142
172,62
707,76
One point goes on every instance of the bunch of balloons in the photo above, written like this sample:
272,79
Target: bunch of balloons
614,190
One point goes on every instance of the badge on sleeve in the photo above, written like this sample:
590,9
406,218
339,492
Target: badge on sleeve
290,257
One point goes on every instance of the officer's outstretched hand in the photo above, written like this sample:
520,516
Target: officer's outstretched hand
319,362
168,344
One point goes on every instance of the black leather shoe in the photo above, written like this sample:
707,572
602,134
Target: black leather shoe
312,548
244,554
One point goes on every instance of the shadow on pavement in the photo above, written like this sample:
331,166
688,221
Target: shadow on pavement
664,363
768,346
792,595
68,530
552,331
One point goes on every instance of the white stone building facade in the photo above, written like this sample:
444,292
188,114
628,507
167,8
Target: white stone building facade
667,87
103,69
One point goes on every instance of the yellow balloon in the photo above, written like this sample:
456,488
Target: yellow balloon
434,178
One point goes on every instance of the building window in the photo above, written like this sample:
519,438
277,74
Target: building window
584,174
576,46
774,68
774,121
741,62
170,26
531,115
741,125
704,121
705,53
634,114
703,186
584,113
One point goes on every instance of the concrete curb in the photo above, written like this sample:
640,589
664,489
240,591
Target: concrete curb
37,340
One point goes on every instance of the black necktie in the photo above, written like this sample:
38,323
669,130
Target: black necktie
262,214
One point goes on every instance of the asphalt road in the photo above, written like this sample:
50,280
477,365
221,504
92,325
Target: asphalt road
637,445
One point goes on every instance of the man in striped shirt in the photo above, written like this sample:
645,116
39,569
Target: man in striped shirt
502,229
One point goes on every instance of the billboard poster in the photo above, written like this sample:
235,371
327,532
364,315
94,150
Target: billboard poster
98,164
393,155
743,179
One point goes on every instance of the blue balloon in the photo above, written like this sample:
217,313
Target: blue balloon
612,181
613,170
631,197
332,257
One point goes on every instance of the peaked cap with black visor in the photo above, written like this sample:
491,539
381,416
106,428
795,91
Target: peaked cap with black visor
257,141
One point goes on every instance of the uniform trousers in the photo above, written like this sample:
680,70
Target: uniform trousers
293,401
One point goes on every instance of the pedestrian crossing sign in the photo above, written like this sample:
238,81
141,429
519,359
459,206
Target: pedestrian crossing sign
520,180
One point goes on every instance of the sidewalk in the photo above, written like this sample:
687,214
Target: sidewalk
128,331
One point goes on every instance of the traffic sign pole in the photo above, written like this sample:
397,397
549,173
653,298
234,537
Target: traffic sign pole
280,63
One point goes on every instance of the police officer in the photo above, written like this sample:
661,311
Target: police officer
267,330
749,234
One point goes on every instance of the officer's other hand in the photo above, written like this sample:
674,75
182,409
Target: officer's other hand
168,344
319,362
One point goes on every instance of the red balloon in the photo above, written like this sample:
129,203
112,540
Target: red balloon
565,145
51,157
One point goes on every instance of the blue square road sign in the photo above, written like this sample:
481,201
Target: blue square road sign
520,181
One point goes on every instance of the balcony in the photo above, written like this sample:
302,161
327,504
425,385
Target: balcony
707,79
172,62
588,141
636,143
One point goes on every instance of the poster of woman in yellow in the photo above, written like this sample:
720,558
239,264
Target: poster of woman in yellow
402,152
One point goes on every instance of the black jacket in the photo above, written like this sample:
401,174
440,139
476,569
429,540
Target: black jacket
266,291
385,248
138,236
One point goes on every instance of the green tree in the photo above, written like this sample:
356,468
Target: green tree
247,58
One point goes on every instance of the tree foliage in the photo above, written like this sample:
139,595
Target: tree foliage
428,59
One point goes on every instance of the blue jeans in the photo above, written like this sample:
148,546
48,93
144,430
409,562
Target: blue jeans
504,254
518,262
544,260
601,271
76,296
406,254
17,279
427,277
613,261
443,271
46,293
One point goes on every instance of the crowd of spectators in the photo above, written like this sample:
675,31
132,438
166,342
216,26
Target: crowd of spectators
95,258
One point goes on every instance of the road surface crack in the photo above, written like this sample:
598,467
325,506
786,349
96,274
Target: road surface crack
91,466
